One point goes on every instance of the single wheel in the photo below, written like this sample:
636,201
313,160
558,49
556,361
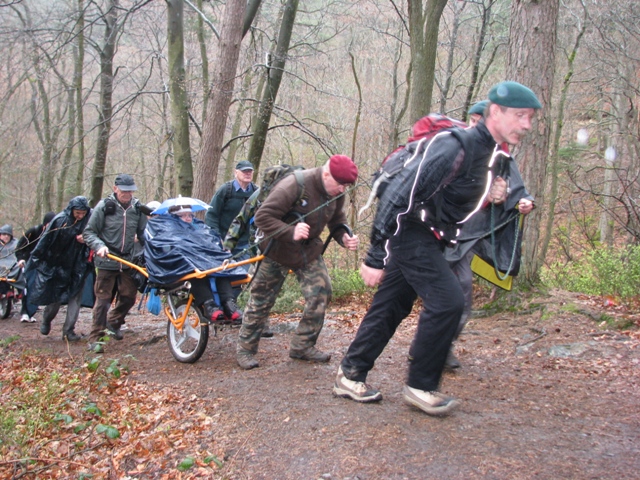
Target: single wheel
5,307
188,345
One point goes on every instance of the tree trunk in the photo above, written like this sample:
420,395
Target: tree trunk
77,85
235,129
458,7
475,71
45,179
531,61
220,97
423,29
179,102
557,136
106,108
274,77
205,62
68,152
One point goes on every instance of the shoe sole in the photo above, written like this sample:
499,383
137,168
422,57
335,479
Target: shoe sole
429,410
339,392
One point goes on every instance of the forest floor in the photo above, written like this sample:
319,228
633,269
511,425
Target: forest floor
550,390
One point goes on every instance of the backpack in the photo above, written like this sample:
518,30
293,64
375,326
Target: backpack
270,178
228,193
273,175
423,132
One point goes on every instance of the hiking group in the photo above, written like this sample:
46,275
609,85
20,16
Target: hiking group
433,198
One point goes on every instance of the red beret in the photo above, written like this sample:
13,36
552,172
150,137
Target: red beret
342,169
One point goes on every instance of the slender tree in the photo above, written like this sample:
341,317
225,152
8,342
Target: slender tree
234,26
77,85
105,111
274,76
179,102
423,28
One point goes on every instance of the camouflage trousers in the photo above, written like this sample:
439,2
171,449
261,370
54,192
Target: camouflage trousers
316,289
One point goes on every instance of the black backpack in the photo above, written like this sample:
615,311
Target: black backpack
398,177
423,131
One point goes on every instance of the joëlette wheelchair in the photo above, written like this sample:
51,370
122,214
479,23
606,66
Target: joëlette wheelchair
12,285
187,335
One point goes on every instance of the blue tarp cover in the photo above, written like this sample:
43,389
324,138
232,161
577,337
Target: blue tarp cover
174,248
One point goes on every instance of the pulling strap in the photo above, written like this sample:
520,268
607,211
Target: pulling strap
499,274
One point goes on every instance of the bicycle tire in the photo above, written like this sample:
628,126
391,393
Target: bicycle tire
5,307
188,345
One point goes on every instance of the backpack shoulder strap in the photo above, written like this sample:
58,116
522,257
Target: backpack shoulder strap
464,137
229,191
300,181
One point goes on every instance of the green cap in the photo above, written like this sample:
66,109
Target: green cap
479,108
513,95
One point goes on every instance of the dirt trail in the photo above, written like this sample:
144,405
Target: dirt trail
550,397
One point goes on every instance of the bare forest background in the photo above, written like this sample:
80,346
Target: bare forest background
176,92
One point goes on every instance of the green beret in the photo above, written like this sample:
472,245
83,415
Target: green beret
513,95
479,108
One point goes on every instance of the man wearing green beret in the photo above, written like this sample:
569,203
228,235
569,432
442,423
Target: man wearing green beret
475,236
476,112
417,218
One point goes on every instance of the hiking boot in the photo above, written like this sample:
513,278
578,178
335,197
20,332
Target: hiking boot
232,312
117,333
212,313
96,347
71,336
310,354
358,391
267,332
433,403
452,361
45,327
247,361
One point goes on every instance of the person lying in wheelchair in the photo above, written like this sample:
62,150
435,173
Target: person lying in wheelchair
178,244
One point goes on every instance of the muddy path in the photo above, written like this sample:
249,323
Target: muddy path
546,393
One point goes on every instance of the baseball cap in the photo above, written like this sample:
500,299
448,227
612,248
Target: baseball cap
244,165
125,183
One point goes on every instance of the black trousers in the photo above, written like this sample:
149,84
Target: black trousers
416,268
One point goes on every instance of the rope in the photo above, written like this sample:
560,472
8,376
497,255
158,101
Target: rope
298,218
493,245
38,239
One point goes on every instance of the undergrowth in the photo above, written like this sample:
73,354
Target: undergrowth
344,283
603,271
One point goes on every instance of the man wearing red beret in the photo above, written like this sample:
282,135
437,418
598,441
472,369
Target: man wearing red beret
297,247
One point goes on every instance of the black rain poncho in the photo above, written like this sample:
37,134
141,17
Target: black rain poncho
174,248
59,264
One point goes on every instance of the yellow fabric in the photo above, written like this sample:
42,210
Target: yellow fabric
486,271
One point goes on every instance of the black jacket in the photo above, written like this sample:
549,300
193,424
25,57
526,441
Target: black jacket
442,190
28,242
60,262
